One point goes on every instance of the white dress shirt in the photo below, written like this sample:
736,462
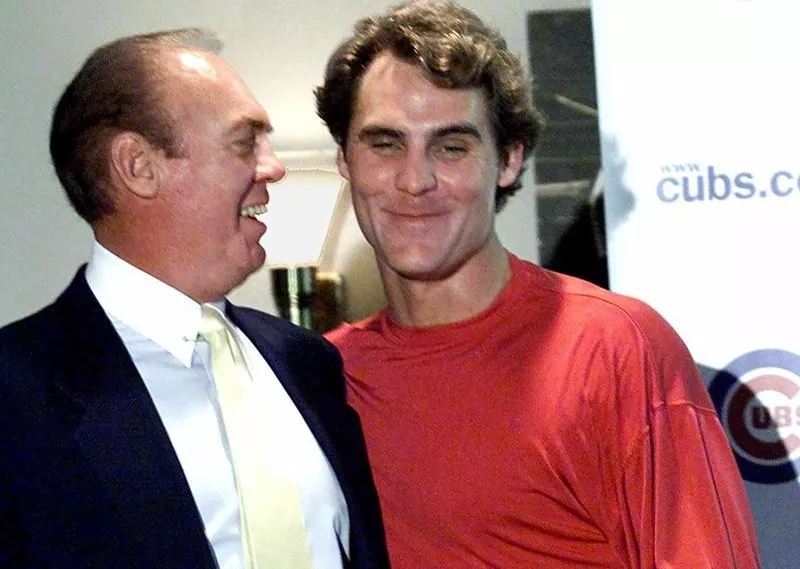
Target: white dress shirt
158,325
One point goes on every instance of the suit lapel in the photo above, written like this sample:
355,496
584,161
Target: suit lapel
317,390
285,362
122,437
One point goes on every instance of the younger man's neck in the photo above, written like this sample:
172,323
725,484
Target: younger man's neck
461,296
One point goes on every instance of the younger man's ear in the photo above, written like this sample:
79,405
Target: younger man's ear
511,164
341,164
135,164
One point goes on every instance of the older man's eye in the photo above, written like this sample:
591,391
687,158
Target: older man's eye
245,145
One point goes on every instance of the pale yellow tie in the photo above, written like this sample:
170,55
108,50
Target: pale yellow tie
273,531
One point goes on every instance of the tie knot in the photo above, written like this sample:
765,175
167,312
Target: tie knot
218,332
212,321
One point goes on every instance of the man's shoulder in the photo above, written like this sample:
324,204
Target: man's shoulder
540,285
349,334
30,330
48,322
621,320
604,302
31,351
591,306
278,331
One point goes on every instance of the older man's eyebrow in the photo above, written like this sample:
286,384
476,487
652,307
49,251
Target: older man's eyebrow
256,125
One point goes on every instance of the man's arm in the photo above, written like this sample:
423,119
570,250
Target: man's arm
684,501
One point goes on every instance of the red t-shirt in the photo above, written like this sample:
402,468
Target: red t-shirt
565,426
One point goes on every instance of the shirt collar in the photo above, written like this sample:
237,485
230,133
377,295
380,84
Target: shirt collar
147,305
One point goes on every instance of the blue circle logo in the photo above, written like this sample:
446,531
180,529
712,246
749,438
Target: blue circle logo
757,397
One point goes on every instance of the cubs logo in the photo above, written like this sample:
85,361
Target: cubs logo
757,397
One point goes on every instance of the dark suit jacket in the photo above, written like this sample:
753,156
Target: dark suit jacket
88,476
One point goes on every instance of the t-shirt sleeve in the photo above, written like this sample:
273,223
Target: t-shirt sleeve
682,501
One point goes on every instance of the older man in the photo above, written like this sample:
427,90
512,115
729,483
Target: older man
145,421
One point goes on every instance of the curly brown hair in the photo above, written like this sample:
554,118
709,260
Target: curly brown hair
456,50
118,88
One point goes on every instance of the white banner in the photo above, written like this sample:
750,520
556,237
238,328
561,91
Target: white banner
700,120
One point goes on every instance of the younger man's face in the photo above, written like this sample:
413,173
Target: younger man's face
423,166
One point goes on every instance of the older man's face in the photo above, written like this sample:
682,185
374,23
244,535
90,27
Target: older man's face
218,184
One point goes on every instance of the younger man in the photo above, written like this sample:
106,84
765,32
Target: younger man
515,417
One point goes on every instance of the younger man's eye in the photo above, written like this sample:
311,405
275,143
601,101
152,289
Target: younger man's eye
384,143
452,149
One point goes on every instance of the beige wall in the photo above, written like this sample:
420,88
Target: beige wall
279,47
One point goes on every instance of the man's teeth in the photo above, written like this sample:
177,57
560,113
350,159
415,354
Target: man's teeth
254,210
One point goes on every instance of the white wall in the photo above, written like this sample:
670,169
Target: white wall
279,47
